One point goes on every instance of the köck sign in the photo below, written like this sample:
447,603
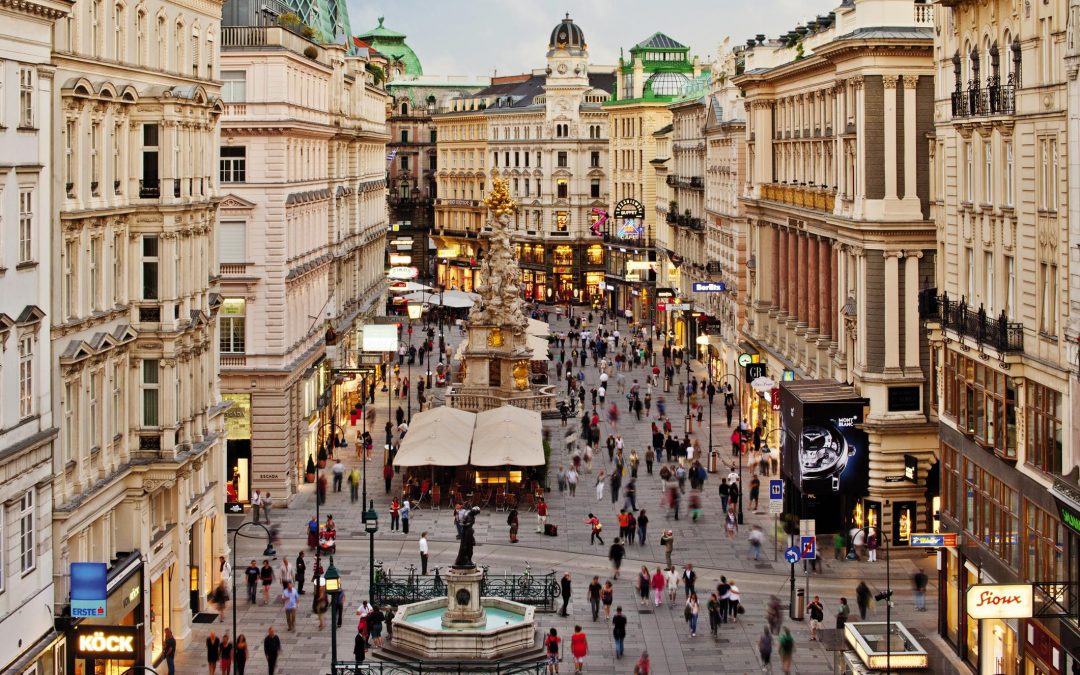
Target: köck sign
1000,601
109,642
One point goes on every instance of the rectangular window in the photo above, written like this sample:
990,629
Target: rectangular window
233,86
95,270
1044,437
71,252
594,188
538,156
26,98
594,159
404,135
27,539
26,376
116,407
562,189
150,185
1009,173
517,158
1010,290
527,155
150,267
404,163
95,424
988,282
69,440
988,172
232,241
233,164
1044,539
970,260
26,226
561,159
562,223
969,173
117,268
232,325
150,385
1048,305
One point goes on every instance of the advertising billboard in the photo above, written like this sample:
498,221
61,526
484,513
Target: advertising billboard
88,589
629,217
826,452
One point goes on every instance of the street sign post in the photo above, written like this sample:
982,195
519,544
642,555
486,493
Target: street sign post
809,547
776,497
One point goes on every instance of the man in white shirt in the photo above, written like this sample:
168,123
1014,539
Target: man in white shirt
256,504
733,477
423,545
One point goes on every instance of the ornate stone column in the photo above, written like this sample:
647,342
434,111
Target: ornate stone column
892,309
910,139
912,324
774,270
802,271
813,276
890,136
782,269
826,288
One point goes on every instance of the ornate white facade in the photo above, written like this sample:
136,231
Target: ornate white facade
302,240
138,474
27,424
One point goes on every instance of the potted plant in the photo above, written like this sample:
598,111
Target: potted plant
322,457
309,474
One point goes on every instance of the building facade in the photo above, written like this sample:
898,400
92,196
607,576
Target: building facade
997,320
725,225
1067,486
638,244
412,156
137,477
302,237
546,135
27,422
841,241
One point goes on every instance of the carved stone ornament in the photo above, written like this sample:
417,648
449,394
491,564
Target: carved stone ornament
500,303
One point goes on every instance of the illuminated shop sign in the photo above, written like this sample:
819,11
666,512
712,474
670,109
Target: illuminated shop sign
106,642
1000,601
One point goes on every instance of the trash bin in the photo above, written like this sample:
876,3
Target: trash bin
798,604
714,461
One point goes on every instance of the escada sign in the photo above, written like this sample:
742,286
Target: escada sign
111,642
1000,601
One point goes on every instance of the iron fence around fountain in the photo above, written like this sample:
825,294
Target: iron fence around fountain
538,667
538,591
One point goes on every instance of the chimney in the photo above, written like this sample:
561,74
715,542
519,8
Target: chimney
639,76
697,67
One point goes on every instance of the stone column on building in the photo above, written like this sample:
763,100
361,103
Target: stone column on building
838,295
774,269
890,135
892,309
813,284
825,287
912,323
792,274
910,138
803,270
860,142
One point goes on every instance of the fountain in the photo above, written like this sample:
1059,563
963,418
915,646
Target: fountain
464,625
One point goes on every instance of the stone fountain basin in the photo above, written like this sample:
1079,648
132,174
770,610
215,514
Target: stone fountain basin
509,629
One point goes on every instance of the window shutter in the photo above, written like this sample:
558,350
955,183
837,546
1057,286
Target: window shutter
232,242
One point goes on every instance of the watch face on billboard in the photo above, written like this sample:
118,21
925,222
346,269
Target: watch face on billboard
833,452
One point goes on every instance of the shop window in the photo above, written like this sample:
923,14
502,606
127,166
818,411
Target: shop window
563,256
594,255
1044,439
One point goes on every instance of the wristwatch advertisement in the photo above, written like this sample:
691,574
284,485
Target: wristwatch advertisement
823,457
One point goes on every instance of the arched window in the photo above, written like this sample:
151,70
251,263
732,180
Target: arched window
140,36
178,45
162,43
404,108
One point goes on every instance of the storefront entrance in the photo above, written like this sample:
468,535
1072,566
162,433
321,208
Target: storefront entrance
112,644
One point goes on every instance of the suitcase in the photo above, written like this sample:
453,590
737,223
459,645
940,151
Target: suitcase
551,529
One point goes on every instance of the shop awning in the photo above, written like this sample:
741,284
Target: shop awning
538,327
507,436
455,299
437,437
408,287
539,347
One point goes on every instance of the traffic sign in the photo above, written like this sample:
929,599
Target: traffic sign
809,547
776,489
791,555
776,506
942,540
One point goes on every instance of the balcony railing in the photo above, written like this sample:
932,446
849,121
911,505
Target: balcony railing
1001,334
232,268
993,99
808,197
924,14
149,189
693,182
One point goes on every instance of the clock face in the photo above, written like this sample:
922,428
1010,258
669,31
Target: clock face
562,36
562,69
745,360
463,596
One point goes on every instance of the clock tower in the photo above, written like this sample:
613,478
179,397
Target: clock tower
567,71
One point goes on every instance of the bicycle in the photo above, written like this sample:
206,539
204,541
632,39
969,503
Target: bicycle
526,578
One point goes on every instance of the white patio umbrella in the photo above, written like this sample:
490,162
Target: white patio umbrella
407,287
455,299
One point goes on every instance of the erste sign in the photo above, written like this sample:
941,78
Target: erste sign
1000,601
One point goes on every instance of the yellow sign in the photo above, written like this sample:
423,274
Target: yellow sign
1001,601
109,642
447,252
400,260
238,417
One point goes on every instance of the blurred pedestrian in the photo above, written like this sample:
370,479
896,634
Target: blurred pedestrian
579,648
618,631
272,650
787,650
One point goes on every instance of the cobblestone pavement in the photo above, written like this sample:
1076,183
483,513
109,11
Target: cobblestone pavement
662,631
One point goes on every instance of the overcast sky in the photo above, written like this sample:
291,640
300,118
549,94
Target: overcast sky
474,37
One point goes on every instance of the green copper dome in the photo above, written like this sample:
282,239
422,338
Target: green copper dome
391,44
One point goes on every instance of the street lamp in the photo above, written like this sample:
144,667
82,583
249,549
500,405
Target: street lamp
703,343
371,526
332,579
414,309
268,552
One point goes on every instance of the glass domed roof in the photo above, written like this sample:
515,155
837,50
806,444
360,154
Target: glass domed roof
667,84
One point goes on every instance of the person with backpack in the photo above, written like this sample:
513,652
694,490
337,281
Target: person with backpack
787,650
551,646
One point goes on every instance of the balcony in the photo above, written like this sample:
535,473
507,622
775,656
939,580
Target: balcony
807,197
150,188
227,360
924,14
227,269
993,99
1000,333
692,182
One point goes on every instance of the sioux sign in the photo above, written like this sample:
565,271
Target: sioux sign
108,642
1000,601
